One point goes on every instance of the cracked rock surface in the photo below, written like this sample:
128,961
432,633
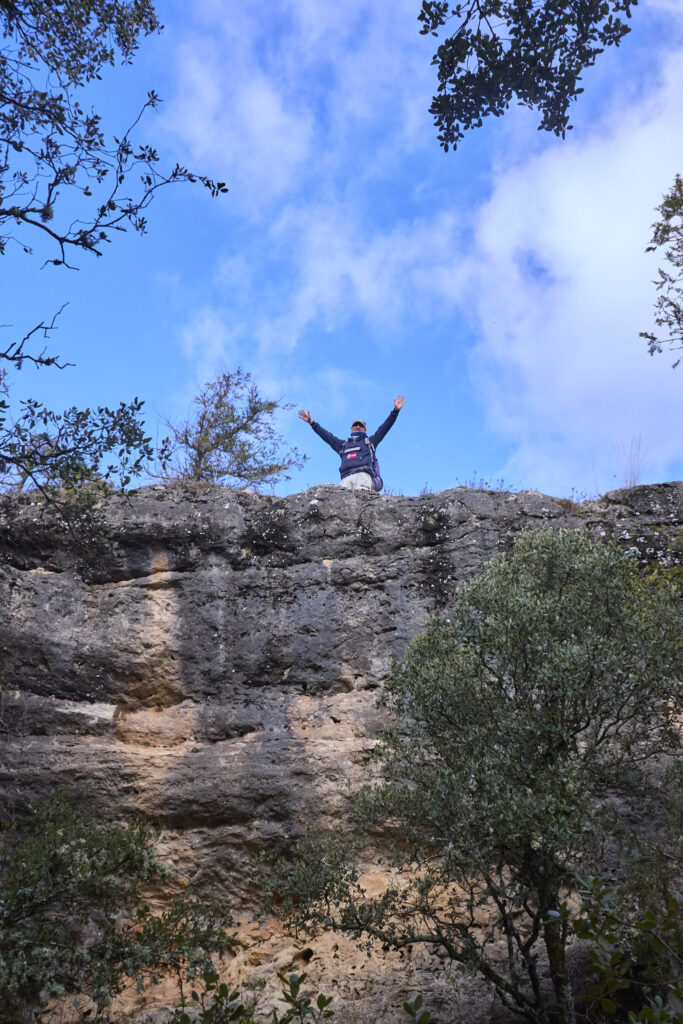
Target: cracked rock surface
211,659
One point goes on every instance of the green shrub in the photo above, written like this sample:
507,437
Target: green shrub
73,917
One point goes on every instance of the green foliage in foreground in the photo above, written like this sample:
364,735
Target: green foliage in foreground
527,728
634,952
300,1006
72,919
72,922
217,1004
415,1011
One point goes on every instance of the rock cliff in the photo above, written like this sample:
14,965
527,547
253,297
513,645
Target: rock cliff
210,659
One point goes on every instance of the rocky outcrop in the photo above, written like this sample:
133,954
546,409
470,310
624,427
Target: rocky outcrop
210,659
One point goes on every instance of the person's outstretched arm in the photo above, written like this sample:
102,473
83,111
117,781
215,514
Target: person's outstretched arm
334,442
382,431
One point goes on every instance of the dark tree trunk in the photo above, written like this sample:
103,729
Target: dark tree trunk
557,963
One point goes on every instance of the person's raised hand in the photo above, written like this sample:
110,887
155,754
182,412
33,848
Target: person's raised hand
306,416
399,402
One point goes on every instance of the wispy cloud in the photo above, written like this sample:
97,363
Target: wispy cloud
243,126
346,267
279,102
210,342
327,266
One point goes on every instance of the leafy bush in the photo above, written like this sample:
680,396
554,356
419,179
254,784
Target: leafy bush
224,1006
73,917
635,954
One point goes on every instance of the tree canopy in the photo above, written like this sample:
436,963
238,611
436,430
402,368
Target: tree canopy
533,52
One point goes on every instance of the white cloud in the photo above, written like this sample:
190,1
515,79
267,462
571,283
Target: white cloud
672,9
210,343
273,102
563,289
330,267
300,110
347,267
239,122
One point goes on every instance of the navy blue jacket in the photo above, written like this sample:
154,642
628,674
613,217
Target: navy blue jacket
338,444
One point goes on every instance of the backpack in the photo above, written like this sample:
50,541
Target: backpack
375,474
361,455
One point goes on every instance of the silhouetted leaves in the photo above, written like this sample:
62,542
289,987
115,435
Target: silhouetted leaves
53,147
667,234
529,51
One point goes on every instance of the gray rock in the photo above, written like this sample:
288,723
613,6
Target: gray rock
211,658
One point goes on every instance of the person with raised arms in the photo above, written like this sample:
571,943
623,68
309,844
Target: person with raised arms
359,469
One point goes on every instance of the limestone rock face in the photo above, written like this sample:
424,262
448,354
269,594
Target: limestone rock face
211,659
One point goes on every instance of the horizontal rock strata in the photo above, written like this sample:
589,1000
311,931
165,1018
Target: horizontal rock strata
211,658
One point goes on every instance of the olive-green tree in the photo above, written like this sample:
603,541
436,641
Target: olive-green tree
230,437
524,729
73,919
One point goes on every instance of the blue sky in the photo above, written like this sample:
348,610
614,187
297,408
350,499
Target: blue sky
501,288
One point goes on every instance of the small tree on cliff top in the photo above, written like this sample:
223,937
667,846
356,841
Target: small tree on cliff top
524,725
231,437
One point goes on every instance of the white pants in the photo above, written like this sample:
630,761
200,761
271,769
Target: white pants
358,482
